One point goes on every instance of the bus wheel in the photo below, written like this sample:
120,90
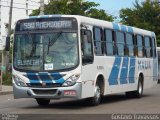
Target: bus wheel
97,96
138,93
42,101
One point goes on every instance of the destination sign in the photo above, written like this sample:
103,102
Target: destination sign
46,24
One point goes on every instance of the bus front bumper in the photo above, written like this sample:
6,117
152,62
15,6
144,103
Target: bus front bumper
50,93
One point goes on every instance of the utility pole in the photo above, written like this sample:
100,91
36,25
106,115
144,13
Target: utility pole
1,52
9,33
26,7
41,7
10,19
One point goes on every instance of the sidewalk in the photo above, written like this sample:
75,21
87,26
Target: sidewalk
6,90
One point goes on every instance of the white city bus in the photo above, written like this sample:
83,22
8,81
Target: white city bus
71,56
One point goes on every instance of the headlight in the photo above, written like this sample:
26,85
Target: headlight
19,81
71,80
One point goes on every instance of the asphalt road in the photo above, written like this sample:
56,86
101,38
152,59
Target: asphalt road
117,104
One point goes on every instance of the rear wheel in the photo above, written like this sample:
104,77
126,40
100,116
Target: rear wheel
42,102
137,93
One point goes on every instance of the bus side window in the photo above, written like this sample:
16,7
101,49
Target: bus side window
129,44
98,36
147,46
153,47
140,46
120,43
87,49
144,54
135,45
109,42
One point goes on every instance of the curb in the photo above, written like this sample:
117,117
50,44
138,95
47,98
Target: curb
6,93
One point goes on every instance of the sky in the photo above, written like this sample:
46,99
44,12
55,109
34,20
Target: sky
111,6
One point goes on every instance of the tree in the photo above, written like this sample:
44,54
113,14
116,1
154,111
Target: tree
145,15
74,7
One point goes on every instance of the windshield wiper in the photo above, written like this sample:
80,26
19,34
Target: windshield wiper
33,44
51,42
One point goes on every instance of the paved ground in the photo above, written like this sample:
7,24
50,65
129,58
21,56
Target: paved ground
6,90
149,103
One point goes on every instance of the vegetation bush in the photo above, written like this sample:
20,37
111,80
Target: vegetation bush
7,78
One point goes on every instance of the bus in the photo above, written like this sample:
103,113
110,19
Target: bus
158,53
77,57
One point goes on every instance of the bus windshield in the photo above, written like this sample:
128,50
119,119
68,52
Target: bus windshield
46,51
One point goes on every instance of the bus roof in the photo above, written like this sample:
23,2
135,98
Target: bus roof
102,23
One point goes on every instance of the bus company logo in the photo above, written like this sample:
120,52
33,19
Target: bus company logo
44,84
144,65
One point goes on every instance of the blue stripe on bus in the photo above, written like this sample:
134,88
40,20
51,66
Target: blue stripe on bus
115,26
45,77
113,77
130,29
57,77
124,71
33,78
132,70
123,28
60,81
33,17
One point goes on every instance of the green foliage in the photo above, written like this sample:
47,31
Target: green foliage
99,14
158,40
74,7
7,78
145,15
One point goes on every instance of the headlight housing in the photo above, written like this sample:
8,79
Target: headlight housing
71,80
19,81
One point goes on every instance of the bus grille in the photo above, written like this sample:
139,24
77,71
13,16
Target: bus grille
39,85
44,92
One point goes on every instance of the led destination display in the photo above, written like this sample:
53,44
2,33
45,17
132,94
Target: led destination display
46,24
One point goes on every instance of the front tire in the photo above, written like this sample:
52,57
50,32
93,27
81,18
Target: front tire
42,102
97,96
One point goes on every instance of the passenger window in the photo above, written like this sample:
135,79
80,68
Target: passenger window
147,46
139,46
153,47
109,42
120,43
98,40
150,42
129,44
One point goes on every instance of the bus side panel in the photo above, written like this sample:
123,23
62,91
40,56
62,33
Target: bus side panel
87,76
155,71
90,72
148,68
112,69
131,77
